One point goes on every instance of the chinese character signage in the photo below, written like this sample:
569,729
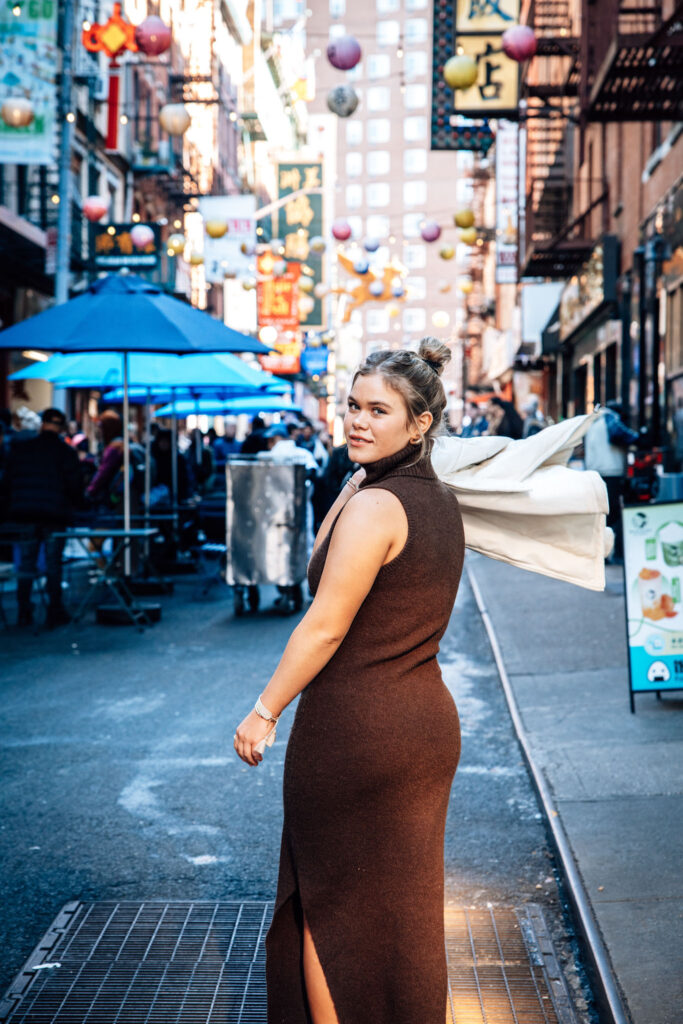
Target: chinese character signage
286,358
507,194
472,28
111,247
495,91
486,15
653,570
277,297
299,221
28,57
225,254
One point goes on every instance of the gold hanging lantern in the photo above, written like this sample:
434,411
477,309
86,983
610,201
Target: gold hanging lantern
174,118
17,112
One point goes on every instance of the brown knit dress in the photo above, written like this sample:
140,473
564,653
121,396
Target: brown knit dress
368,769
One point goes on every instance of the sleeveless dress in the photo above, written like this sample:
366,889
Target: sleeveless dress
371,756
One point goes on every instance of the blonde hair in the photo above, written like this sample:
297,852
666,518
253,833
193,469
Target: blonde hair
417,378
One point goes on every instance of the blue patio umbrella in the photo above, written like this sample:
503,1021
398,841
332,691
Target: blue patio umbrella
157,373
230,407
124,313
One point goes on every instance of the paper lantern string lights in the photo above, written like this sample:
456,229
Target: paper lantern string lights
344,52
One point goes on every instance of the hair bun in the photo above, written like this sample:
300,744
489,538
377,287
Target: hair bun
434,353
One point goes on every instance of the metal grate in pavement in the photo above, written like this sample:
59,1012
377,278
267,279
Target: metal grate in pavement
183,962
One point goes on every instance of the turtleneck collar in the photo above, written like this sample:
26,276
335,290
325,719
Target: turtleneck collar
402,463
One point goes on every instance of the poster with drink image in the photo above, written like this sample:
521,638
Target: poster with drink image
653,576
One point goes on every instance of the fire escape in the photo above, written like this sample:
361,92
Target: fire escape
621,63
551,247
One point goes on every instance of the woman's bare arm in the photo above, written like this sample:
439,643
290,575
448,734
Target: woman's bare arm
372,530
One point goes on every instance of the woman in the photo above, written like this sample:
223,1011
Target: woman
357,933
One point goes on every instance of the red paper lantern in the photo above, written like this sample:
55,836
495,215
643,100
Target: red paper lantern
95,207
153,36
344,53
341,230
519,43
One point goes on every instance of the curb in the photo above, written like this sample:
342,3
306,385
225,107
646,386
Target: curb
603,977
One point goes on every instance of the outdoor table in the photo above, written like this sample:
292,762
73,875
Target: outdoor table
107,576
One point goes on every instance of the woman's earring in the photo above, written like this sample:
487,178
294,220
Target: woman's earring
415,440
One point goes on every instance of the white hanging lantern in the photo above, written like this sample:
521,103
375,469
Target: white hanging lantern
174,118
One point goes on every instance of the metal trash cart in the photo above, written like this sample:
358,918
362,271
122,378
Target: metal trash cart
265,531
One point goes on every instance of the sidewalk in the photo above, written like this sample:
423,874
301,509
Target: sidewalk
616,779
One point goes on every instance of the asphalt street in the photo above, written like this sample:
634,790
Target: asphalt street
120,780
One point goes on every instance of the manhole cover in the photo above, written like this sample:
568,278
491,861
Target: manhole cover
180,962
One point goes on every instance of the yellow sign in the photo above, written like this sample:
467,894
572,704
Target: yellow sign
496,88
486,15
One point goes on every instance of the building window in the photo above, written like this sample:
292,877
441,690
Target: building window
377,321
354,164
378,226
415,97
354,133
378,129
416,31
354,196
356,225
379,162
388,33
414,161
415,129
417,286
379,65
415,64
414,193
387,6
378,194
337,8
416,5
415,256
337,30
379,98
414,319
411,224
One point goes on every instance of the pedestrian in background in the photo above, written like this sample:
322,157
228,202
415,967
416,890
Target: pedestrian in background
255,440
474,423
357,933
533,417
503,419
43,485
605,449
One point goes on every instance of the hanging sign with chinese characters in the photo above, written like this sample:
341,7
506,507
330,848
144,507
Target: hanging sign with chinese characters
300,220
472,28
277,297
507,193
114,246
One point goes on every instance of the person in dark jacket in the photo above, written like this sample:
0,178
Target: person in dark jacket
503,419
255,440
43,484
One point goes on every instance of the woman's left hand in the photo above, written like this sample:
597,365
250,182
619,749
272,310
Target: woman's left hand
250,732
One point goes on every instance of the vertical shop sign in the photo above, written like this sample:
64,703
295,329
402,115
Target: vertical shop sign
225,254
653,571
299,221
28,56
507,195
277,298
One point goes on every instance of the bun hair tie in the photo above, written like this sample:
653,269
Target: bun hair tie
432,365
